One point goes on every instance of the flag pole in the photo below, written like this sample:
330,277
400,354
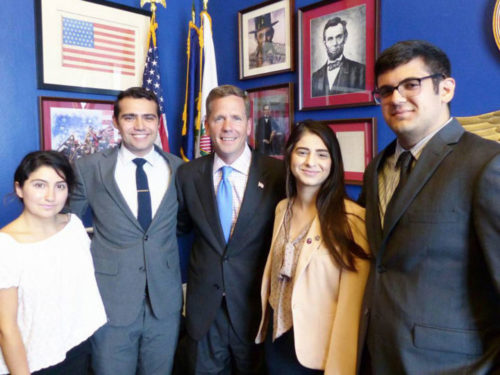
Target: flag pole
151,75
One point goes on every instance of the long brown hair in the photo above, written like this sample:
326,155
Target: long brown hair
337,234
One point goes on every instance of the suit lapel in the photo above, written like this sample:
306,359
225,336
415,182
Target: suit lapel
373,224
312,242
204,184
252,200
322,82
342,79
171,182
107,170
433,154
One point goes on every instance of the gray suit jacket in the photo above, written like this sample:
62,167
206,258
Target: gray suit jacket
234,269
125,257
432,303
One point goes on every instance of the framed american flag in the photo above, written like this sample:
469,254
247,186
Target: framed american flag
90,46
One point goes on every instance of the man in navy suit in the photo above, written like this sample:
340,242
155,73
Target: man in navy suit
339,75
432,302
136,261
228,257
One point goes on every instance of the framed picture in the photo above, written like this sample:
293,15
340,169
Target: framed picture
271,113
90,46
266,38
358,145
338,42
77,127
496,23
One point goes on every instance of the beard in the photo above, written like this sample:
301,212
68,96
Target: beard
335,54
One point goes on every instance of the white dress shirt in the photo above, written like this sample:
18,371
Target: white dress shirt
332,74
238,178
158,173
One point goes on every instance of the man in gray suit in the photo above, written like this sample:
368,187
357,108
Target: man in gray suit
432,303
228,257
131,192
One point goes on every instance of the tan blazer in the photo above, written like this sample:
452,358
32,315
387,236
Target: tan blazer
326,303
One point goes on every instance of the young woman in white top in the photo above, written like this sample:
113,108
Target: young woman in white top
316,271
49,301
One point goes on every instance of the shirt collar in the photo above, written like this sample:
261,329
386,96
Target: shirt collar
126,156
242,164
339,59
416,150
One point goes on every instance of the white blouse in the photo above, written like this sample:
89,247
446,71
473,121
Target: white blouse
59,305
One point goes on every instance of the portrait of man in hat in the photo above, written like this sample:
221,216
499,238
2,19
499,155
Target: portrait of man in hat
267,52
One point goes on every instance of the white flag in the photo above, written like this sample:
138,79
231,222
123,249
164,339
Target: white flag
209,81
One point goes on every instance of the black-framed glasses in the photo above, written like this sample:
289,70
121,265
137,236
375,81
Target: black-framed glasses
407,87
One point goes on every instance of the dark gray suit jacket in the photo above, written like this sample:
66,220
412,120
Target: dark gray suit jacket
351,78
125,257
432,303
235,269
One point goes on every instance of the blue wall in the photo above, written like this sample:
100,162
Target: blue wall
461,27
19,119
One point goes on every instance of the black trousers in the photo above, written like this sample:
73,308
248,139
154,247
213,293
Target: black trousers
280,354
222,352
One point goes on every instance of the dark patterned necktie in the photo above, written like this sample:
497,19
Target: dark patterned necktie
144,214
404,163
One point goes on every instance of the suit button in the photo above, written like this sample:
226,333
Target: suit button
141,269
146,237
381,269
225,258
216,286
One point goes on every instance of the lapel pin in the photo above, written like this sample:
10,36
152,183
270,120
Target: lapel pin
317,238
260,185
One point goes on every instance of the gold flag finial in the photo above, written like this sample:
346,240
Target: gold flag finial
205,5
153,4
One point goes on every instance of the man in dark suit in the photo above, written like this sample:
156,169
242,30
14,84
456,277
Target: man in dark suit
232,237
134,246
339,75
432,303
268,137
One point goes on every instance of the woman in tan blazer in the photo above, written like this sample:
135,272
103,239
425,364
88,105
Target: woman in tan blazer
317,268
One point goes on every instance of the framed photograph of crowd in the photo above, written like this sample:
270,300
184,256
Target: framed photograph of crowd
265,34
90,46
358,145
77,127
338,43
271,114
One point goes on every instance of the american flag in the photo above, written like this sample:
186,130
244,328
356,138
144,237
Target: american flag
98,47
151,81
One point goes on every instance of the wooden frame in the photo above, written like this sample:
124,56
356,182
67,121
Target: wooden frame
348,62
496,23
271,115
76,127
358,145
90,46
269,20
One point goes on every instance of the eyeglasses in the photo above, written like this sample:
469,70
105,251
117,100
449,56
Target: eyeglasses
407,88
